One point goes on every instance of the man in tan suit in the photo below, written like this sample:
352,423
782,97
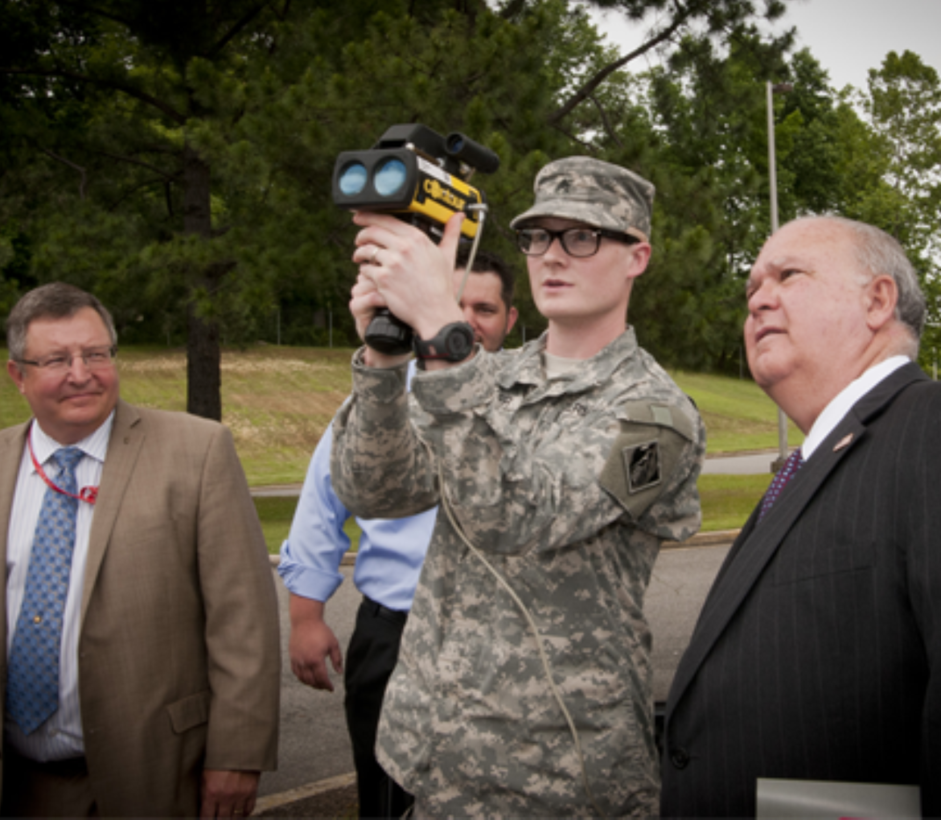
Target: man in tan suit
165,688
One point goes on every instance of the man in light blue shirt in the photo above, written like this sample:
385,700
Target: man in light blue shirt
389,560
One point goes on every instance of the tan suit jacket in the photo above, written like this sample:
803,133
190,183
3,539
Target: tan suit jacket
178,656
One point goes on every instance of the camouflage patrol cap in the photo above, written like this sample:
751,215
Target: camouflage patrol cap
594,192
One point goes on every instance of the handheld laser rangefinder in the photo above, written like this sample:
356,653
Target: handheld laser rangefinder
422,178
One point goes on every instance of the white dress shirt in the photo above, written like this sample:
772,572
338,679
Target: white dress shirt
833,413
60,737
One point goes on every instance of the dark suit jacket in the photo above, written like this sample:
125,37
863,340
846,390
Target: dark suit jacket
178,653
818,652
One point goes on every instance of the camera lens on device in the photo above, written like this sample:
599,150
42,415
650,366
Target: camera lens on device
390,177
353,179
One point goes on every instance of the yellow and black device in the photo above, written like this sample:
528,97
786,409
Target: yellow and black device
421,177
415,173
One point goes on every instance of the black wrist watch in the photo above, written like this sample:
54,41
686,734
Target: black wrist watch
453,343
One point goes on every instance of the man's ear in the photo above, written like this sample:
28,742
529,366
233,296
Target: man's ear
511,316
16,374
882,296
640,256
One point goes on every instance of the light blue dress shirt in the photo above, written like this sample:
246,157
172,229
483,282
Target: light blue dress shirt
391,551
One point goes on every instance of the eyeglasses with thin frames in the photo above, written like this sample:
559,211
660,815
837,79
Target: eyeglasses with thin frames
95,358
577,242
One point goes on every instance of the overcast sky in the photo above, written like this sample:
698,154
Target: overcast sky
848,37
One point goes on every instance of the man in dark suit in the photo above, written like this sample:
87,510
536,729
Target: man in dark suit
163,676
817,655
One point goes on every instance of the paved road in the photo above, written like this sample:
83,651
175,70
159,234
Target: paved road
681,579
751,464
314,744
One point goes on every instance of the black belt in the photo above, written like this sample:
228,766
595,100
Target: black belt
377,610
70,767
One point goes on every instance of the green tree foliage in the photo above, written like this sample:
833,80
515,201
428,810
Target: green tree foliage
194,177
709,119
131,72
903,107
449,74
176,157
888,166
904,110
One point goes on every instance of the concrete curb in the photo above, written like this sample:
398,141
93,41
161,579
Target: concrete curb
704,539
276,490
276,801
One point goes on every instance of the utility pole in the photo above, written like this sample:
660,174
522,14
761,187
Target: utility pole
780,88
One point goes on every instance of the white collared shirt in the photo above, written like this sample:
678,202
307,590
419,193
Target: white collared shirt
60,736
834,412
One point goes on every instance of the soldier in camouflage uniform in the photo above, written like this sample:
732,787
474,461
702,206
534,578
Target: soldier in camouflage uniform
524,684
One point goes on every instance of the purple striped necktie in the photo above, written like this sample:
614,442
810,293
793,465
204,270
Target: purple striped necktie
780,481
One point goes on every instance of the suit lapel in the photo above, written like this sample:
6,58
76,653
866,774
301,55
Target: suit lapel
11,454
127,437
757,545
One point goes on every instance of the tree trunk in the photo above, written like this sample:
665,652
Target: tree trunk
203,356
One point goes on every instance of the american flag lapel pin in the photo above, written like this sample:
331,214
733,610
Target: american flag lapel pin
843,442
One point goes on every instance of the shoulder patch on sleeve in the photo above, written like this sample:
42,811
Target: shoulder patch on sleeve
645,454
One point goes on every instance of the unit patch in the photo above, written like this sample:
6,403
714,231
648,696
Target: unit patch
642,466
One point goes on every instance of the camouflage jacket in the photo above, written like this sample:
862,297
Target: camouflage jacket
568,488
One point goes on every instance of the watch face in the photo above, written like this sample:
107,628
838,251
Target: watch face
453,343
459,342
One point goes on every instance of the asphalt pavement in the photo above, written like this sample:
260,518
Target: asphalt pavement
314,744
314,754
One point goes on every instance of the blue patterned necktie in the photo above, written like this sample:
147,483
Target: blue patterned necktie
33,668
793,463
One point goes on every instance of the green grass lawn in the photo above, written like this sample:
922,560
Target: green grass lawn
278,400
737,414
727,500
276,515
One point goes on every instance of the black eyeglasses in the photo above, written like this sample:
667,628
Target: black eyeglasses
577,242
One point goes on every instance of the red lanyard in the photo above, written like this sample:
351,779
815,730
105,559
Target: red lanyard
87,494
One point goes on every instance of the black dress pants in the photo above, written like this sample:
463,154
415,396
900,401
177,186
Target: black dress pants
370,659
61,788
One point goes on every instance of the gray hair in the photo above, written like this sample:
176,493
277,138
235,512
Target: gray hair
881,254
56,300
